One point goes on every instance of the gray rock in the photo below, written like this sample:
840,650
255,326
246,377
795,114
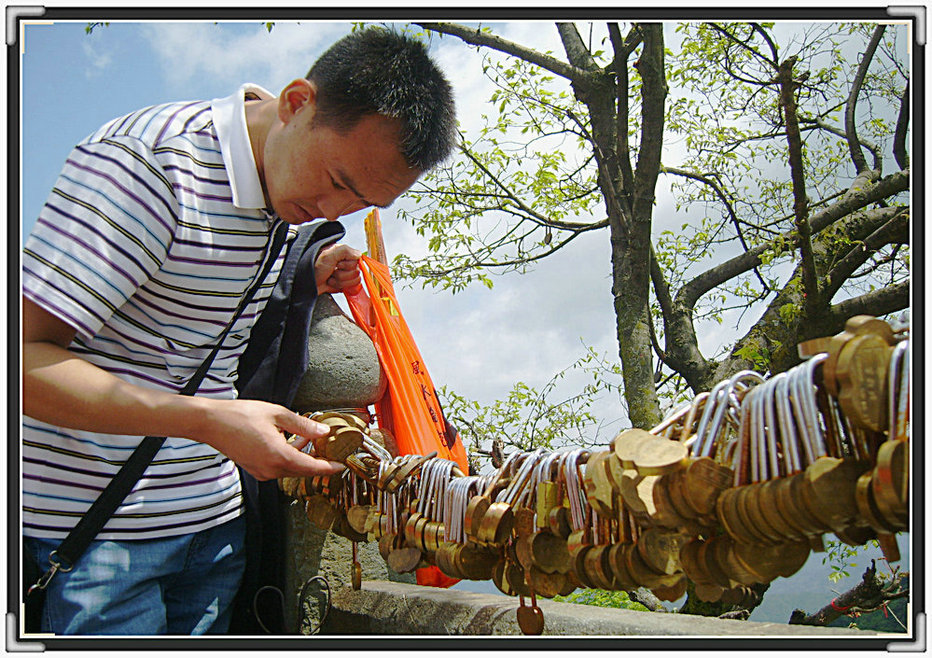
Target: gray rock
343,370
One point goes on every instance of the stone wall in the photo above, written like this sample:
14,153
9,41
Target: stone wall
391,608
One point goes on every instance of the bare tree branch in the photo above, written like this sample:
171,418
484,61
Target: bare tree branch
720,193
895,230
875,150
788,86
476,37
576,50
900,151
856,198
751,51
850,129
654,93
623,49
877,303
530,212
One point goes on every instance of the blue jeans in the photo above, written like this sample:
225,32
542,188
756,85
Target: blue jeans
180,585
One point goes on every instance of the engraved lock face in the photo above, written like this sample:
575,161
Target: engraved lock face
769,562
661,549
549,552
497,524
862,375
598,489
475,511
619,567
626,445
833,480
320,511
524,521
404,560
672,592
659,456
703,481
475,562
342,527
358,516
890,484
558,521
545,584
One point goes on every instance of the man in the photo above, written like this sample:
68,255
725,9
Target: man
156,227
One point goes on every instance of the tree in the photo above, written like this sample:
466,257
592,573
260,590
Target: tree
774,126
773,142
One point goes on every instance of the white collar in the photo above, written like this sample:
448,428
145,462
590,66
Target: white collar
229,117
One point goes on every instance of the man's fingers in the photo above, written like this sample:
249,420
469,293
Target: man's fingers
307,466
303,427
298,442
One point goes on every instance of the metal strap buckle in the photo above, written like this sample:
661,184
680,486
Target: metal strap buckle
46,578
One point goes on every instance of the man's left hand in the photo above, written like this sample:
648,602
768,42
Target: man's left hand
337,268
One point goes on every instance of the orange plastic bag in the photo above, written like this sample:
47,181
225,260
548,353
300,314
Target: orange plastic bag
409,409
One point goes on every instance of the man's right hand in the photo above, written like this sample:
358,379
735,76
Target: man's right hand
252,434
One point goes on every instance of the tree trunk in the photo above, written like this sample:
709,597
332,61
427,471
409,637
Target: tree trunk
631,246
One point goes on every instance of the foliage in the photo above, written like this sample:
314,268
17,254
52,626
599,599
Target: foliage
563,150
602,598
90,27
529,418
839,557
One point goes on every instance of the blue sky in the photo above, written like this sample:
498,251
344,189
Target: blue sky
73,82
478,342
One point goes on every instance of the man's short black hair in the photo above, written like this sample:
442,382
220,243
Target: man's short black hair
379,71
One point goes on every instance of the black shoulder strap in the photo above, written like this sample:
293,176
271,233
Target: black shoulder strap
273,363
80,537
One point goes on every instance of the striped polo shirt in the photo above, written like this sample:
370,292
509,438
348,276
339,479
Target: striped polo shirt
153,232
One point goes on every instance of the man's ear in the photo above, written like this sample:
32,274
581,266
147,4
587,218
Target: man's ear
300,94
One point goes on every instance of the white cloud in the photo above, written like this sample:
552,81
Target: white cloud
192,53
98,61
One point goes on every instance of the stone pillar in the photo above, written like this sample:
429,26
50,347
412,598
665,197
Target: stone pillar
343,368
343,373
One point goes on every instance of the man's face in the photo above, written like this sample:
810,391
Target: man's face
311,171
